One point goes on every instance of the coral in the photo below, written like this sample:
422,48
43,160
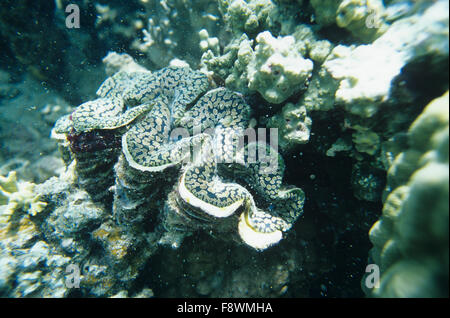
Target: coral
277,70
17,229
308,44
21,251
365,140
254,16
231,66
276,67
19,195
207,42
173,26
38,252
144,109
293,124
320,94
325,11
339,145
246,16
161,182
363,18
367,182
411,238
366,73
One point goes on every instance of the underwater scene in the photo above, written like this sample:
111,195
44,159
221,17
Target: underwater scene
224,148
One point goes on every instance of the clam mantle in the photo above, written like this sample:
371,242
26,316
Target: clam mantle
132,148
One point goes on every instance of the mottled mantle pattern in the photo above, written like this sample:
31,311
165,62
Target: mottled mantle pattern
213,184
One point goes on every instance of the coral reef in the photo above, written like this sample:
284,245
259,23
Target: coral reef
411,238
20,248
39,251
166,183
364,19
277,70
325,11
247,16
146,110
19,195
293,124
366,73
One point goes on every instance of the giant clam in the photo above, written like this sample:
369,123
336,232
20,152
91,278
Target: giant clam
159,149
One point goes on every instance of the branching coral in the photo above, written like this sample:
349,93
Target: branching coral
172,26
19,252
19,195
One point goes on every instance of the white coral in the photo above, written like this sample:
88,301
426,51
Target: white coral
19,195
277,69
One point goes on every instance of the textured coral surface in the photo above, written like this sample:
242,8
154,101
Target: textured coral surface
128,147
